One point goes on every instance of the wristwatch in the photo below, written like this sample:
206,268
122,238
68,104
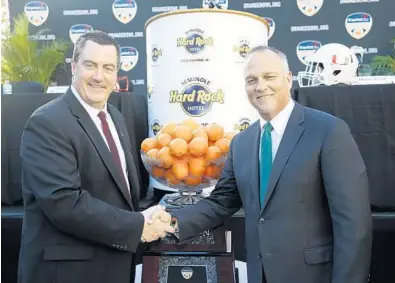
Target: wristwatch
173,223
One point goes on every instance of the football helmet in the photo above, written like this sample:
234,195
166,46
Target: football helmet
332,64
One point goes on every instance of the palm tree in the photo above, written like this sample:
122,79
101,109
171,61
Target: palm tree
384,65
30,60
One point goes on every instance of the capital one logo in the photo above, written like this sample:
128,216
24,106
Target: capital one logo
124,10
358,24
77,30
307,48
272,26
129,58
36,12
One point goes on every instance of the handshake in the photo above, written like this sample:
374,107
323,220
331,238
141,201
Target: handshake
157,222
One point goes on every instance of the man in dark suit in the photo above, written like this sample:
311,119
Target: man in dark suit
80,183
300,178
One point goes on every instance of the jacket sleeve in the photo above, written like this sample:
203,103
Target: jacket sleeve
208,213
347,189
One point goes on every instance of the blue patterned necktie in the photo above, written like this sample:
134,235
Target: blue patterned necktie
265,164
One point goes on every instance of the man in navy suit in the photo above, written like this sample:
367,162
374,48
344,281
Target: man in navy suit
300,178
79,181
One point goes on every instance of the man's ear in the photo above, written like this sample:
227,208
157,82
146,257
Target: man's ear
289,80
73,66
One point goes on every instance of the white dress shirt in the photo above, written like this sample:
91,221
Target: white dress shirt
93,112
279,123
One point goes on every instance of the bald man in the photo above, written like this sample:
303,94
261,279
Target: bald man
301,180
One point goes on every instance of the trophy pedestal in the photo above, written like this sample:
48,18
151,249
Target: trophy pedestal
206,258
181,199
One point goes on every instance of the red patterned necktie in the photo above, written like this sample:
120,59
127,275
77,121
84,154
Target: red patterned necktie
111,144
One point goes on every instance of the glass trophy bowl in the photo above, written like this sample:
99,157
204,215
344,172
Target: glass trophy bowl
190,189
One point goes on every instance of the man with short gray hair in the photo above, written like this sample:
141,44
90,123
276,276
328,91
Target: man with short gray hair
300,178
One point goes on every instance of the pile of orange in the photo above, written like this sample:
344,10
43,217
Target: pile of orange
187,152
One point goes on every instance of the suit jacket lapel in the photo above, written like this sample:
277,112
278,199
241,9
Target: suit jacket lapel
130,164
90,128
292,133
253,160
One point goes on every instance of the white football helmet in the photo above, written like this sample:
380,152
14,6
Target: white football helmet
359,52
332,64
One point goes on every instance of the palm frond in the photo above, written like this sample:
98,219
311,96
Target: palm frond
384,65
29,60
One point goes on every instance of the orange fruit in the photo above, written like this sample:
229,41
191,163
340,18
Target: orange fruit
164,157
163,140
223,145
212,171
229,135
168,128
182,131
214,132
193,181
191,123
149,143
198,146
211,143
152,154
157,171
185,158
178,147
213,153
170,178
196,166
180,170
199,132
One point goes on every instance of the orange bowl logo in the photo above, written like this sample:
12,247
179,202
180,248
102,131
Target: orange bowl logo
309,7
358,24
307,48
36,12
187,272
129,58
272,26
77,30
124,10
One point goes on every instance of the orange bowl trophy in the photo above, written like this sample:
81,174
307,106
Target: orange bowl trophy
188,157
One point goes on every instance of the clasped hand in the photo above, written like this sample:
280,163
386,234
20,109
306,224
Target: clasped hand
156,224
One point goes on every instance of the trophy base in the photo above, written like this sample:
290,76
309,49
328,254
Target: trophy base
182,198
206,258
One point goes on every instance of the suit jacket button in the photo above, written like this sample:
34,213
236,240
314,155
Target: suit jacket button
259,255
261,220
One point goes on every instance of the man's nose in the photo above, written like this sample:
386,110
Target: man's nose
261,85
98,76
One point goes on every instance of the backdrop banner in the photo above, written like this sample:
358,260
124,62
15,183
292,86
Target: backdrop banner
297,27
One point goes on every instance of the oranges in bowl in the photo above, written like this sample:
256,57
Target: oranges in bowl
187,155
